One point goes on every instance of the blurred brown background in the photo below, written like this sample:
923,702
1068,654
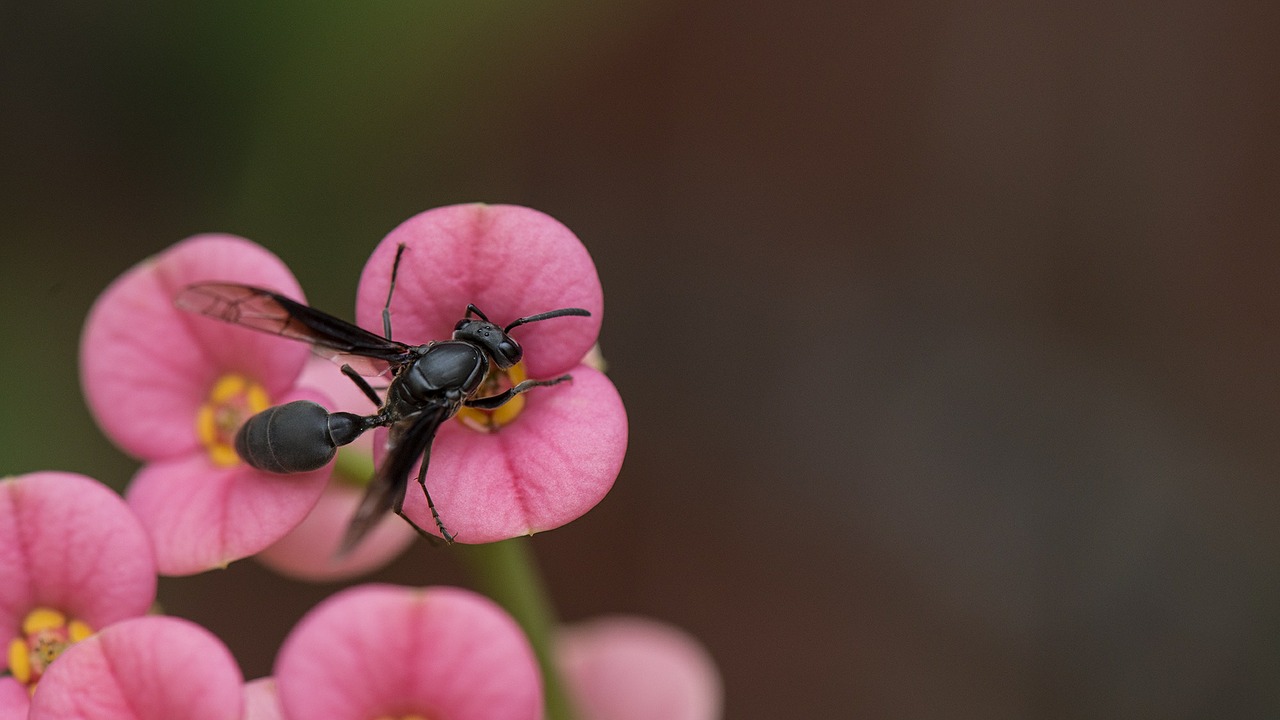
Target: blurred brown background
948,333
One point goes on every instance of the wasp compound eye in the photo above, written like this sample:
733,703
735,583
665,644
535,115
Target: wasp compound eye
510,350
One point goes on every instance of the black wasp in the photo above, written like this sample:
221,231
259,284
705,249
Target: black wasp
429,384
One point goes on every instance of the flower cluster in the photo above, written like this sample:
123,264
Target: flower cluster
173,388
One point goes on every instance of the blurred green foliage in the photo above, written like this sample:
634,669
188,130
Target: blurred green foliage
312,128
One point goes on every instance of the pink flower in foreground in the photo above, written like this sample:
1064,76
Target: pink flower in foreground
549,455
309,551
170,388
377,651
73,560
150,668
629,668
14,700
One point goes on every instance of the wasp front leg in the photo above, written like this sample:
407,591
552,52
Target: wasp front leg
496,401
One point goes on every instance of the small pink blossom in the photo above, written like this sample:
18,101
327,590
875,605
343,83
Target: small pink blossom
170,388
261,701
15,703
630,668
73,560
561,454
377,651
310,551
150,668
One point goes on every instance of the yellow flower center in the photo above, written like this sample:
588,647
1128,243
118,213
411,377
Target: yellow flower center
497,381
232,400
45,634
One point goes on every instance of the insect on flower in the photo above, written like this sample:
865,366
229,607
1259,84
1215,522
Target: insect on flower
429,384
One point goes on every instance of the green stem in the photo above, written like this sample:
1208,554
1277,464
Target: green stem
354,467
508,572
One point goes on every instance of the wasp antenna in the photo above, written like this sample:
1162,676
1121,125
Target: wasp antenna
547,316
473,310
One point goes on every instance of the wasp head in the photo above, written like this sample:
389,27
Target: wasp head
501,348
496,341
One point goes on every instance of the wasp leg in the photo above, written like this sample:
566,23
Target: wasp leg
363,384
422,480
386,309
398,508
496,401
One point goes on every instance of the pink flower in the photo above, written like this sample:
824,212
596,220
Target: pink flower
73,560
150,668
15,703
377,651
171,388
310,551
549,455
261,701
629,668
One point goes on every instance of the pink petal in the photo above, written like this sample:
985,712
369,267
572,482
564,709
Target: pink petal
150,668
146,366
273,361
308,552
69,543
201,517
14,700
342,394
510,261
378,650
629,668
550,466
261,701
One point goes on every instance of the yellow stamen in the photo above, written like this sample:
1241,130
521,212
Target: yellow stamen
207,424
232,400
43,619
497,381
227,389
77,631
46,634
20,660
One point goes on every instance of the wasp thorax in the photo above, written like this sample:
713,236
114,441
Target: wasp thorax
45,635
497,381
232,400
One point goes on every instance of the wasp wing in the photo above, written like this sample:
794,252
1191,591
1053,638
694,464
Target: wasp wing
271,312
410,439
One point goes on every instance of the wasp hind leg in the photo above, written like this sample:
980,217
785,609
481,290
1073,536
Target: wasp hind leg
399,506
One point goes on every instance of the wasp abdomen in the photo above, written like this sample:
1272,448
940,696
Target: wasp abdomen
295,437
